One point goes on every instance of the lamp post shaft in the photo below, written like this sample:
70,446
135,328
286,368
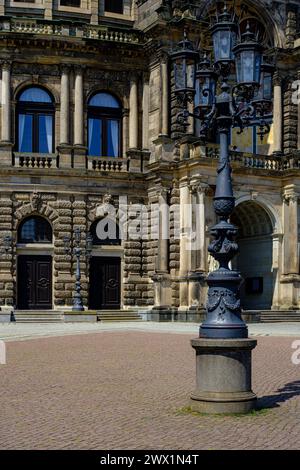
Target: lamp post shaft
77,303
223,319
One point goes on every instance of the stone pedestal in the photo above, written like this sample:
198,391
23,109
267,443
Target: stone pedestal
65,155
79,157
223,376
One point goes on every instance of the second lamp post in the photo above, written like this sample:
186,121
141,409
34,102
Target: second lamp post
76,250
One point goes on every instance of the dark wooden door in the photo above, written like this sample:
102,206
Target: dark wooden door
105,283
34,282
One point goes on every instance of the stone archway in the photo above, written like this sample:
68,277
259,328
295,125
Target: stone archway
255,258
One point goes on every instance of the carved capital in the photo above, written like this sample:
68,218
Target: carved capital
277,78
79,69
65,69
198,187
164,192
290,196
6,65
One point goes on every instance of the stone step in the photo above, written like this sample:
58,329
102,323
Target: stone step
39,316
117,315
279,316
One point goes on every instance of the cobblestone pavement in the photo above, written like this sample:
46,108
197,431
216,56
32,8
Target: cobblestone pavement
128,390
24,331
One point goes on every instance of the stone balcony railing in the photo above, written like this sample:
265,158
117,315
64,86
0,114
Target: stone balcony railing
108,164
249,160
30,160
81,30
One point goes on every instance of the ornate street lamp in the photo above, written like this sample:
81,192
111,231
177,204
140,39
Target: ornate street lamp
225,385
77,251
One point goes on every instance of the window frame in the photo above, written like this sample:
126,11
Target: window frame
39,219
114,12
105,114
35,109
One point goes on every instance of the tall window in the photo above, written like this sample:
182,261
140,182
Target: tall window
35,230
35,121
104,125
70,3
114,6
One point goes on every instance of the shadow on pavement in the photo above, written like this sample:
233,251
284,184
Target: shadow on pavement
285,393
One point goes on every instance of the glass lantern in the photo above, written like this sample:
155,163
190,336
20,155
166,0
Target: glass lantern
205,85
184,60
224,34
265,92
248,54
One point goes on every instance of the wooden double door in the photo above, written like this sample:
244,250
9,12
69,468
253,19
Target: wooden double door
105,283
34,282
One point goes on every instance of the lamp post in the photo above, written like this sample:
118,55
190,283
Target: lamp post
223,350
76,250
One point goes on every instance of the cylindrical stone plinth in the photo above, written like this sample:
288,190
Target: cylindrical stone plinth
223,376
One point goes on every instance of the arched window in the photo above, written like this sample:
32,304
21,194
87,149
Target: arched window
105,232
35,230
35,121
104,125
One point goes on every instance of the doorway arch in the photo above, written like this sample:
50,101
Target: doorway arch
34,264
255,257
105,265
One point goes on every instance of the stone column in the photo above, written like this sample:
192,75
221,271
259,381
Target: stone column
65,105
163,242
145,111
278,114
94,11
198,255
78,109
133,113
290,277
185,253
161,278
125,131
6,102
79,148
164,97
298,127
291,256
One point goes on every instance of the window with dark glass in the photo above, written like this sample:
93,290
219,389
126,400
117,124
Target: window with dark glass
107,233
70,3
104,126
114,6
35,121
35,230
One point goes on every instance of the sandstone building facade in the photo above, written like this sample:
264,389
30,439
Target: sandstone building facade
88,121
